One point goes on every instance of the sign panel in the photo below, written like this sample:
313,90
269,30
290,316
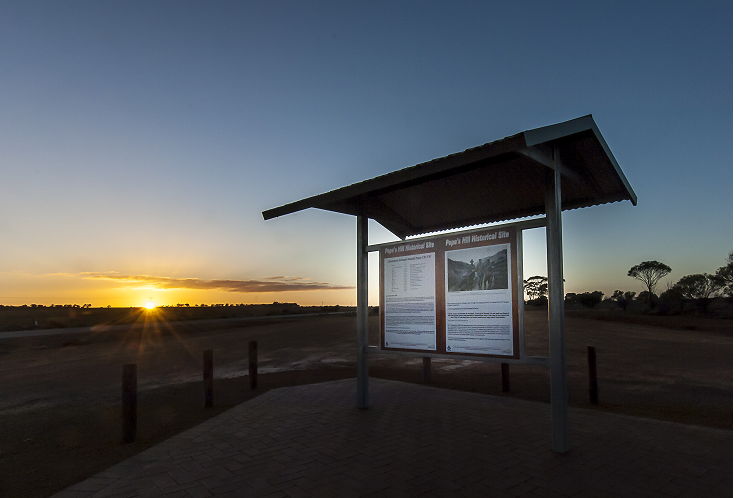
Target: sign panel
410,320
478,304
453,294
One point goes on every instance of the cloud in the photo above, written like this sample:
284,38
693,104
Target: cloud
270,284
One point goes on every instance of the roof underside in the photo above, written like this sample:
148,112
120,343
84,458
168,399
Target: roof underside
501,180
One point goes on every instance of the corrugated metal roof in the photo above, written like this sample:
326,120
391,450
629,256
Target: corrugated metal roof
497,181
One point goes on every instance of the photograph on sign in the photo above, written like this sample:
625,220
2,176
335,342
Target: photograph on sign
409,295
479,301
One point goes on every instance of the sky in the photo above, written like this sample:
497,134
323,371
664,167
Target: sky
141,141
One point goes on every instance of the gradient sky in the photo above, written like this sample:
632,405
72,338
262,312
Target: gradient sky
140,141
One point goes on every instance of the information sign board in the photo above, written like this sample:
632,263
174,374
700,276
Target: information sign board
452,294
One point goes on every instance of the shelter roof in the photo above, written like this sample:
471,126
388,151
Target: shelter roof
497,181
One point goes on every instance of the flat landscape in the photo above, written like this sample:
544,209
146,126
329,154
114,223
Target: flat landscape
60,395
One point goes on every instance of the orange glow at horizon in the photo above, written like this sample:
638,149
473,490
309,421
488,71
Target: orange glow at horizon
71,289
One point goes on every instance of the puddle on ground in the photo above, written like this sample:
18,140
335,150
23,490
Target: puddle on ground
271,363
25,405
268,364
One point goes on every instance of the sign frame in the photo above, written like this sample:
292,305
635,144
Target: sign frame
476,241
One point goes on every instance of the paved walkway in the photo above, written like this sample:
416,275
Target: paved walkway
418,440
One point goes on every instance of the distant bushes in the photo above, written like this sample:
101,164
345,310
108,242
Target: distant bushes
540,301
586,299
701,293
672,301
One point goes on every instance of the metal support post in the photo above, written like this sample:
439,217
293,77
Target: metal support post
558,370
505,371
519,265
363,400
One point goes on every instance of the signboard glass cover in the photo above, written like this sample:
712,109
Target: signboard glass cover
452,294
410,320
478,301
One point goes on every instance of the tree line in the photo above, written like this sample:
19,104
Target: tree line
178,305
699,288
81,306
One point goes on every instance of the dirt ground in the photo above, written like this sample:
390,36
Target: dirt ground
60,396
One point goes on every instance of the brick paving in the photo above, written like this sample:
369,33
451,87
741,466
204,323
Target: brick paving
417,440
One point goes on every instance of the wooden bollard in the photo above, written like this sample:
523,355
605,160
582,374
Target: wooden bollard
593,386
427,368
252,367
208,378
505,369
129,398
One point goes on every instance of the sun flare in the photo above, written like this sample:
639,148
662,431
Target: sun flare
149,305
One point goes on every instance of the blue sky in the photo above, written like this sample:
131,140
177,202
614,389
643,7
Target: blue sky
140,141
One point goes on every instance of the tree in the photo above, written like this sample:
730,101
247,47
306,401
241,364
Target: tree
535,287
700,286
724,273
649,273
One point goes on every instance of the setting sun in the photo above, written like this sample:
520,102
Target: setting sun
149,305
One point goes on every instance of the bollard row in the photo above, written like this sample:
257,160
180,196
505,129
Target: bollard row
130,388
130,384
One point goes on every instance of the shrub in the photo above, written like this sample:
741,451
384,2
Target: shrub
670,301
590,299
623,299
700,288
539,301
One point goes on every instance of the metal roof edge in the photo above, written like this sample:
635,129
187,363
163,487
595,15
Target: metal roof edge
552,132
603,143
393,178
290,208
559,130
437,167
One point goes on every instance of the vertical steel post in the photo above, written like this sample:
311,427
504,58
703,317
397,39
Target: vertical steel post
519,265
505,372
558,370
363,381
